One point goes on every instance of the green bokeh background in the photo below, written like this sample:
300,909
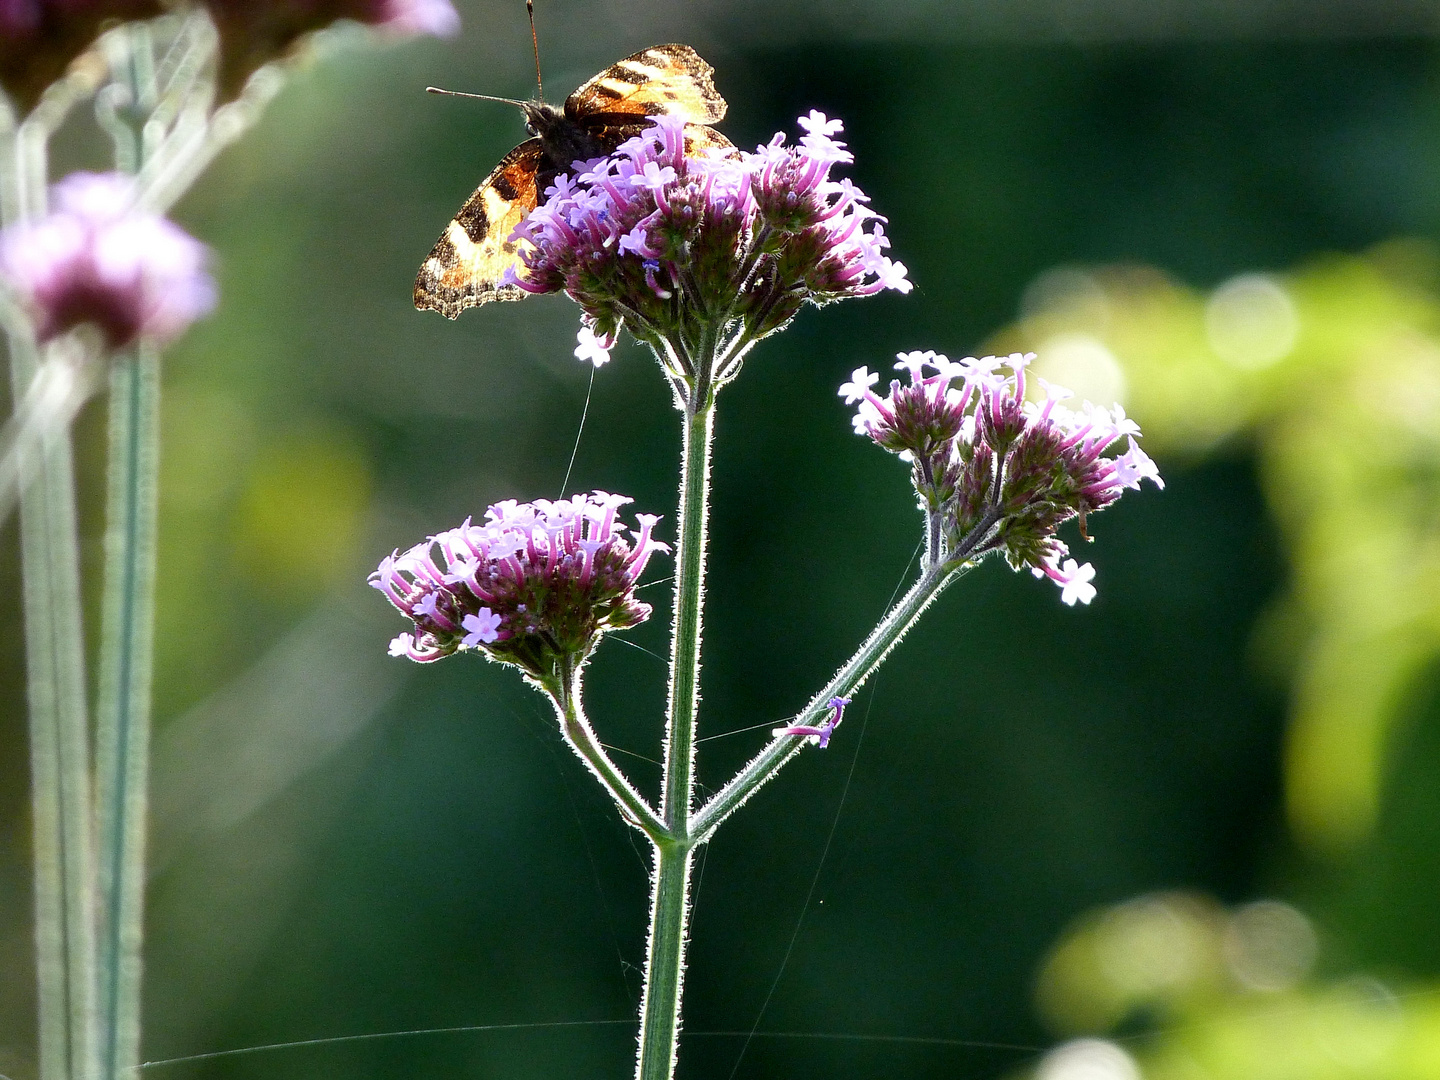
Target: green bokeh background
346,844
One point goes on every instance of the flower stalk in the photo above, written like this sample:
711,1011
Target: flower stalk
670,895
851,676
665,960
576,729
686,630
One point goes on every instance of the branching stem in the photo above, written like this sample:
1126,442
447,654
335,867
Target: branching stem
575,727
850,677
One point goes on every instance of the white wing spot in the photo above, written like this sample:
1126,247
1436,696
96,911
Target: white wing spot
649,70
458,237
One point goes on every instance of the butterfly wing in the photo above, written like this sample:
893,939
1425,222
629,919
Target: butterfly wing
666,80
699,139
474,251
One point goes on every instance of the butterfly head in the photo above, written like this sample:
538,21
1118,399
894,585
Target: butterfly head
563,140
541,118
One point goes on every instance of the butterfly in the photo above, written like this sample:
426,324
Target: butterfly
469,260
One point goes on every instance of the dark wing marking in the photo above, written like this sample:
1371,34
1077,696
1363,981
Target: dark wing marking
474,251
668,79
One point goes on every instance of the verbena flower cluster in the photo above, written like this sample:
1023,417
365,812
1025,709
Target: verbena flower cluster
95,259
672,246
995,471
535,586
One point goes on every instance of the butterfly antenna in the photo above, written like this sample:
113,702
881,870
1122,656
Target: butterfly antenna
535,42
479,97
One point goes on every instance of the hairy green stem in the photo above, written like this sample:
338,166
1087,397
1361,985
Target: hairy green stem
686,632
123,707
849,678
665,961
575,727
670,900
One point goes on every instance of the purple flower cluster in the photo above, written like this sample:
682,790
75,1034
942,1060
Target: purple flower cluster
671,241
535,586
994,471
95,259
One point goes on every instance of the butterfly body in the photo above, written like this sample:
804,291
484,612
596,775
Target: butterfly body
468,262
563,141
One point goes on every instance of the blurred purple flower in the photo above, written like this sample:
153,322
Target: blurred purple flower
19,18
39,38
995,472
94,259
255,32
535,586
671,242
434,17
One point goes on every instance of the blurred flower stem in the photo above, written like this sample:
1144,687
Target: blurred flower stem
100,280
62,384
55,661
153,86
144,108
123,706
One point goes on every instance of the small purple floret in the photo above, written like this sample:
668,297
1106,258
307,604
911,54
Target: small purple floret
483,628
819,734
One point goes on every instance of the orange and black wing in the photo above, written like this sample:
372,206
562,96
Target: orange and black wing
666,80
474,251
